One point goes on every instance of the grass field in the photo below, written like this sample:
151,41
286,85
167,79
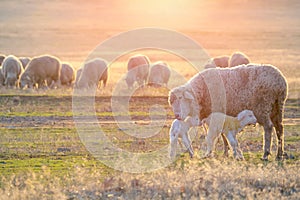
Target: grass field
42,155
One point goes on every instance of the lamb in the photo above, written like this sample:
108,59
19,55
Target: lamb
11,70
138,70
67,74
41,69
238,58
179,129
219,123
24,61
220,61
159,74
260,88
93,72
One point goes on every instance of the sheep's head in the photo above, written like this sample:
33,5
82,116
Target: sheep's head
246,117
25,80
182,101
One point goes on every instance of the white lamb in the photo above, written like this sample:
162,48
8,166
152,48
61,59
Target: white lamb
179,129
220,123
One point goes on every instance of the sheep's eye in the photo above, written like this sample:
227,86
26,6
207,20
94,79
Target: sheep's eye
179,97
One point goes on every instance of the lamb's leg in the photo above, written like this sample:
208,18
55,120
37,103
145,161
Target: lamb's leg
226,145
210,141
237,152
187,143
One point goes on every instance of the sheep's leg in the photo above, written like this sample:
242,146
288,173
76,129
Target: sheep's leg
277,121
237,152
268,127
187,143
226,145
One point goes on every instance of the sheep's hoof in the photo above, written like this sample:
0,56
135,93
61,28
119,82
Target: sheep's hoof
266,156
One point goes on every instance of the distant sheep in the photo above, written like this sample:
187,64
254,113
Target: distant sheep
24,61
67,74
2,80
260,88
2,57
159,74
11,70
220,61
138,70
40,70
92,74
179,129
78,73
238,58
228,126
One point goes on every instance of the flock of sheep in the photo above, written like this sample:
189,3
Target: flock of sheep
48,71
229,86
227,98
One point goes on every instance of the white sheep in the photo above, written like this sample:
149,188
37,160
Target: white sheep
159,74
179,129
11,70
137,70
67,74
41,70
260,88
93,72
220,61
238,58
222,124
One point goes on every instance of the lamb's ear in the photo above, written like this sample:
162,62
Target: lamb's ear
188,95
28,78
240,116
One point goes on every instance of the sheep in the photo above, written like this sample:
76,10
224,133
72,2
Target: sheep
2,57
159,74
219,123
1,78
137,70
67,74
11,70
220,61
238,58
24,61
93,72
41,69
178,129
260,88
78,73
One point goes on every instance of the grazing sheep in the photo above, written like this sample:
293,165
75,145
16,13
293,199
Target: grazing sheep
24,61
238,58
221,124
179,129
11,70
2,57
78,73
138,70
40,70
67,74
260,88
221,61
1,78
159,74
93,73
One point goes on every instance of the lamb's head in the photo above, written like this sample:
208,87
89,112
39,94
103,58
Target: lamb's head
247,117
183,102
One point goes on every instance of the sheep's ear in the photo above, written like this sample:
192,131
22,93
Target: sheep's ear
188,95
